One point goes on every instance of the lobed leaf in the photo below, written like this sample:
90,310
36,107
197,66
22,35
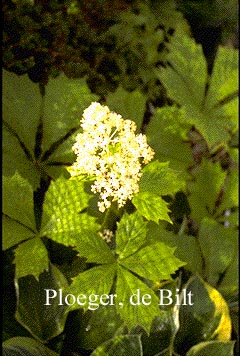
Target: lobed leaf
151,206
132,315
131,105
97,280
130,234
153,262
31,257
158,178
64,211
205,189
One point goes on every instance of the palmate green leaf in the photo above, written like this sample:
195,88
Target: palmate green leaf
154,262
130,234
212,348
18,201
187,246
15,159
64,103
185,81
25,346
35,150
127,285
64,211
205,189
97,280
91,246
31,257
151,206
42,321
218,245
122,345
223,83
158,178
166,135
21,106
14,232
131,105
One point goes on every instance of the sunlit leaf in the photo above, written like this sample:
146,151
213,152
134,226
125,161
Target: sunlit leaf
130,234
151,206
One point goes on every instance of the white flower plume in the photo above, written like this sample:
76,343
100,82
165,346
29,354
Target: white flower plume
109,150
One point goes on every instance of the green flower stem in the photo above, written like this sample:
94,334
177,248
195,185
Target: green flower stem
112,215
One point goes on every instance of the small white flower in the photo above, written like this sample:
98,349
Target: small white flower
109,150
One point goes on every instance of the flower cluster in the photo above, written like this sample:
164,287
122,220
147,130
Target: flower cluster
109,150
106,235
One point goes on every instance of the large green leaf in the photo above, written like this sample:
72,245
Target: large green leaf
130,234
167,135
187,246
97,281
42,321
151,206
131,105
229,285
44,147
64,211
158,178
218,245
206,319
25,346
205,189
212,348
22,106
14,232
186,80
102,325
91,246
64,103
31,257
154,262
122,345
18,201
132,315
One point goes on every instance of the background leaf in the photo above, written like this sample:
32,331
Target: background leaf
31,257
218,245
25,346
42,321
207,319
201,200
120,346
212,348
131,105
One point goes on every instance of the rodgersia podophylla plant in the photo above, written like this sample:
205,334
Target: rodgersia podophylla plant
110,150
